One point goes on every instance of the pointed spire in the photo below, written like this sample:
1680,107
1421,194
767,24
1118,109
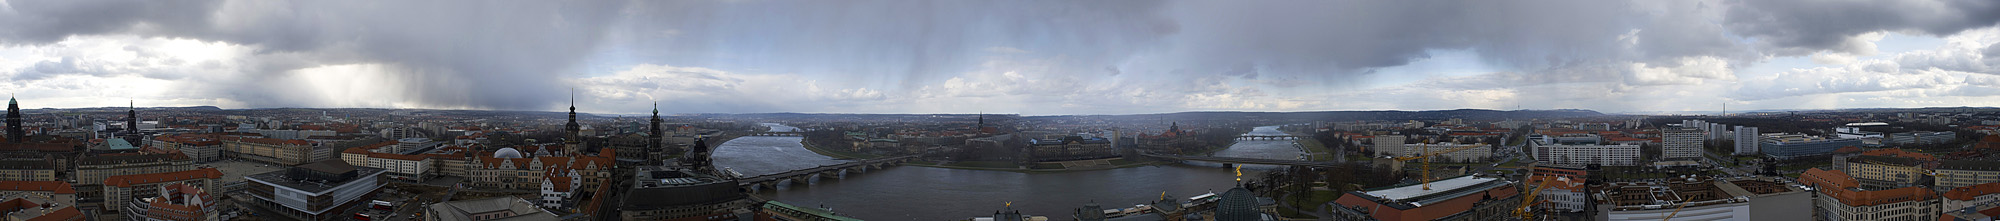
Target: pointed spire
656,108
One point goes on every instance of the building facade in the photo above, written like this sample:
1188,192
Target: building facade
315,191
1467,155
1747,139
121,191
175,202
1788,146
274,151
1070,148
1680,143
200,147
27,170
1961,173
1841,197
1580,155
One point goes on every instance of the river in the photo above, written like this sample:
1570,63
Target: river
925,193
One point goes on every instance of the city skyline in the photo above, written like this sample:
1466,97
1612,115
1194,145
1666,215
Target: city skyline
1032,58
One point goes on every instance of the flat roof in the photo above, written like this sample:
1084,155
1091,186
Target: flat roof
277,178
1405,193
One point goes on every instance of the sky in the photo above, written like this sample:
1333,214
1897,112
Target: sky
1025,57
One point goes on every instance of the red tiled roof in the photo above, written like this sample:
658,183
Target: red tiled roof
268,141
66,213
136,179
57,187
1840,186
1969,192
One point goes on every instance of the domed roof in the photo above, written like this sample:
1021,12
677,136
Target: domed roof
507,152
1237,204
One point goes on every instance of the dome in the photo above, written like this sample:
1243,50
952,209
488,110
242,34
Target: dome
1237,204
507,152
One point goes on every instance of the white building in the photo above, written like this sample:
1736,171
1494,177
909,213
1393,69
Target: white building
558,189
1605,155
1474,154
1681,143
1746,140
1388,144
1562,194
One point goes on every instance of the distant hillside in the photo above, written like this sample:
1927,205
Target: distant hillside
1468,114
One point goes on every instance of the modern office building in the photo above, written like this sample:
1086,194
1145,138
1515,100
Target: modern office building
1921,137
315,191
1788,146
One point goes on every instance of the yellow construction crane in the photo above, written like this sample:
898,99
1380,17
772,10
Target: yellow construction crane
1426,156
1528,199
1677,210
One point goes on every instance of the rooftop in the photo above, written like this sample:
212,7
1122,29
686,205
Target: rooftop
1980,165
278,178
1440,190
58,187
129,180
464,209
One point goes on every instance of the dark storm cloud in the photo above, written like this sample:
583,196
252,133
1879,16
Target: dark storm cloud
1805,26
516,56
39,22
446,53
895,43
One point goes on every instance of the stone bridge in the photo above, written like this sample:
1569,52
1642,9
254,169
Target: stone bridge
807,175
776,134
1269,137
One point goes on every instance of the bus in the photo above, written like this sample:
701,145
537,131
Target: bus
382,205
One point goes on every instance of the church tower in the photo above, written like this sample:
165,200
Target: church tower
572,131
14,132
132,118
697,157
653,149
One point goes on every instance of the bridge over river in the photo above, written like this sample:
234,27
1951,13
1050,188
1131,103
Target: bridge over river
800,176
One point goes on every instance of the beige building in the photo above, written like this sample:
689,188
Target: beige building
119,190
1962,173
27,170
200,147
1841,197
40,192
92,170
509,169
1883,171
275,151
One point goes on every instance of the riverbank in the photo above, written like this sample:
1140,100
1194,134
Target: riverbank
1313,148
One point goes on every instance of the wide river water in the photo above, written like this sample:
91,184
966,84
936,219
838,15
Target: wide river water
925,193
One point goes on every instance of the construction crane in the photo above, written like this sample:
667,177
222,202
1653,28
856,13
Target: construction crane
1528,199
1426,156
1677,210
